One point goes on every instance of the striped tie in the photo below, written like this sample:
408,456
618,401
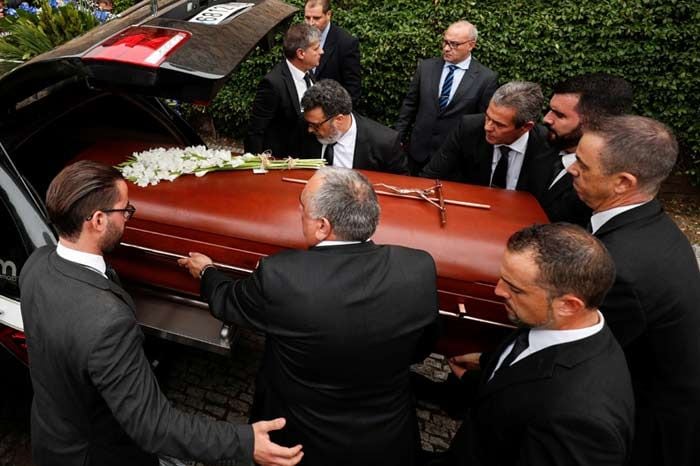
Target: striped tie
447,87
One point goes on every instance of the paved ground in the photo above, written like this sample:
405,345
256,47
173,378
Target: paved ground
217,386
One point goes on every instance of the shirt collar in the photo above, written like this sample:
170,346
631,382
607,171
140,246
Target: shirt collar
92,261
463,65
349,136
297,74
541,338
519,145
568,159
336,243
324,34
601,218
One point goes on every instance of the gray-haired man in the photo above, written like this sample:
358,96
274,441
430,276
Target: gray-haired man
349,140
330,314
497,148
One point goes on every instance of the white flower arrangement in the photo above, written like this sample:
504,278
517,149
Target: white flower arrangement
154,165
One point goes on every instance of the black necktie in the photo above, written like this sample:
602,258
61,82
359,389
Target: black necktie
519,345
498,180
328,154
308,79
556,169
447,87
112,275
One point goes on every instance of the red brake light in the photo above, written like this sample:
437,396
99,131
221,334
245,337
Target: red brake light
140,45
15,342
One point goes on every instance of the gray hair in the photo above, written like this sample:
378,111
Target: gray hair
347,199
525,97
330,96
473,33
638,145
299,36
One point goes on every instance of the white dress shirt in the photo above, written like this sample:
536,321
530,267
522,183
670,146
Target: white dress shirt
336,243
601,218
344,149
540,339
516,156
462,68
568,160
94,262
298,78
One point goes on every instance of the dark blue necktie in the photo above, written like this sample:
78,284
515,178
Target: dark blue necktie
447,87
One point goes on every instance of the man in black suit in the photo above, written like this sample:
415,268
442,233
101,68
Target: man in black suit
96,400
653,306
441,92
344,321
275,119
558,391
500,148
576,101
341,60
347,139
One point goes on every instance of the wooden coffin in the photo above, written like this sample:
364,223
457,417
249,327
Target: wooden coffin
238,217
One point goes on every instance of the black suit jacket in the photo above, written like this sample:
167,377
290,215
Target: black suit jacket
343,325
377,148
466,157
275,121
560,202
653,309
341,62
96,401
569,404
420,116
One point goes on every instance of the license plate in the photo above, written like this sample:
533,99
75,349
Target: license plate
217,14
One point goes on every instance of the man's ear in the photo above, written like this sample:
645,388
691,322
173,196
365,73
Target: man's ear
625,182
300,54
324,229
97,223
568,305
528,126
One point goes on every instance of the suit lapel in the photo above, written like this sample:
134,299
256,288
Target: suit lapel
467,80
485,158
291,88
434,83
329,49
362,145
533,173
91,277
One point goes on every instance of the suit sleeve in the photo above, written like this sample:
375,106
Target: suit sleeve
121,373
574,439
263,111
409,107
395,159
235,301
445,162
351,71
623,311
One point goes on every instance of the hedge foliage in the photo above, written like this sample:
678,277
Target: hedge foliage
651,43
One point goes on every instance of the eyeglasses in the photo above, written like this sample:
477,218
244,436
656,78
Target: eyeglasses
128,212
316,126
452,44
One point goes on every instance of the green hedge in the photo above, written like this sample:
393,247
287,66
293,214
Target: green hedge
652,43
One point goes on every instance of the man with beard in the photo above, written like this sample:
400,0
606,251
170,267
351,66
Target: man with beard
557,392
96,400
576,101
349,140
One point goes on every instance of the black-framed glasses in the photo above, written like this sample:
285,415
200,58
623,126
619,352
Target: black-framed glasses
316,126
452,44
128,212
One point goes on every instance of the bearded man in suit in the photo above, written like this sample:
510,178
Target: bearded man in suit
341,60
96,400
344,321
275,118
652,307
558,390
576,101
346,139
441,92
500,148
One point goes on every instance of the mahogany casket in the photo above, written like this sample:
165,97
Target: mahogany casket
237,218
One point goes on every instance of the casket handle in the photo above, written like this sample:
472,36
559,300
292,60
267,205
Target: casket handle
172,255
463,315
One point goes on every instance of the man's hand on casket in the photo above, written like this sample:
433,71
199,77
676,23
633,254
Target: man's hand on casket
265,452
196,263
463,363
